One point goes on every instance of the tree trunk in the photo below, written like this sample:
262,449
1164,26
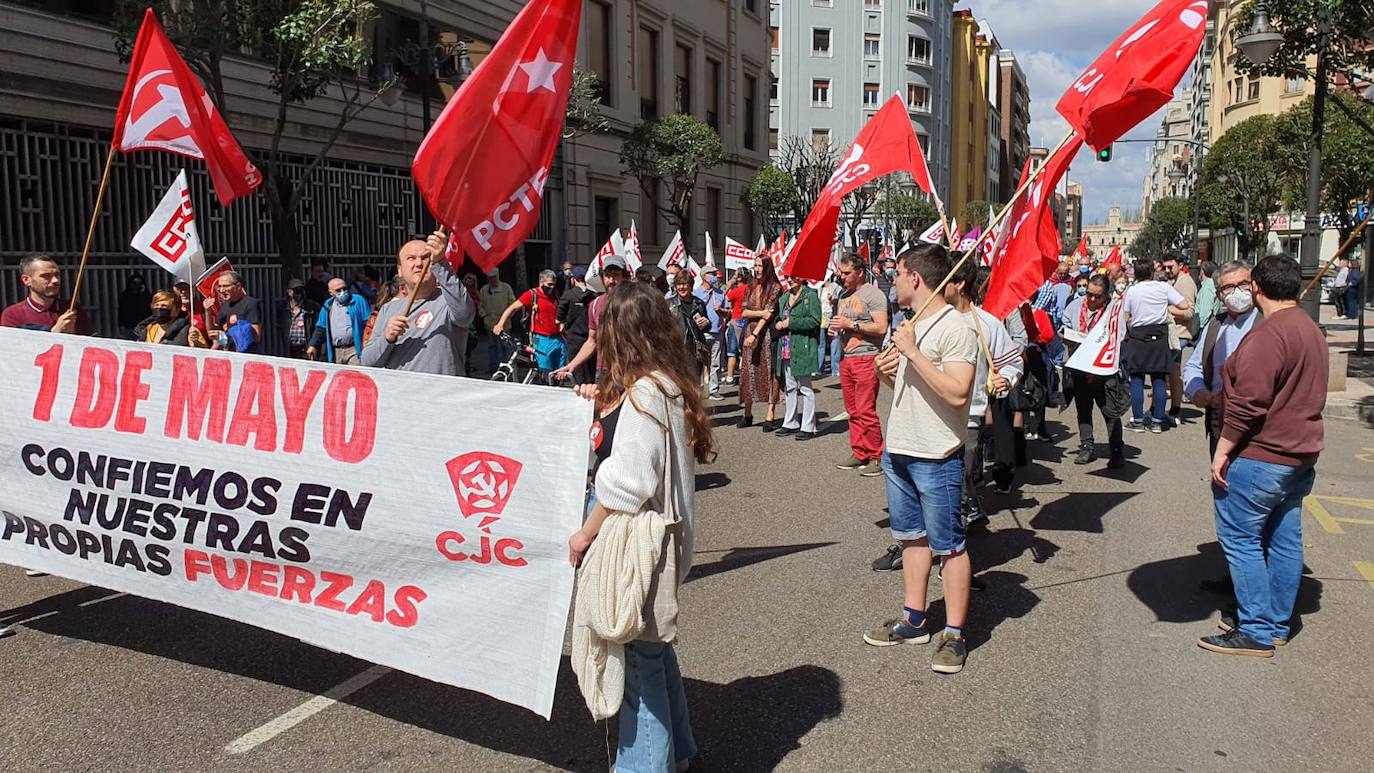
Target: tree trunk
284,231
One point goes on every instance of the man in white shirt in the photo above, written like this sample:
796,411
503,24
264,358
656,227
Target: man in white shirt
931,366
1150,308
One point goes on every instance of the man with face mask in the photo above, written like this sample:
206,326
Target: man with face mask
550,351
297,315
340,325
1202,375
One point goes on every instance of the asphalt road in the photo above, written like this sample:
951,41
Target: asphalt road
1083,654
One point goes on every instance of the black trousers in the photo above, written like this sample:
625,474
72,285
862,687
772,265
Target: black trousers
1089,390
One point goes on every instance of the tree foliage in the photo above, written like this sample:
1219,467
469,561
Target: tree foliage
1167,228
584,114
1347,156
910,213
772,198
312,46
1347,49
1246,165
976,213
809,164
673,150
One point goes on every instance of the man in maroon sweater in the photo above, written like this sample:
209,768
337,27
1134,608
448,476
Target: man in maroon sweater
1275,389
42,308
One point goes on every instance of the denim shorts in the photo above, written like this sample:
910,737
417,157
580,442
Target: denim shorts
734,336
923,499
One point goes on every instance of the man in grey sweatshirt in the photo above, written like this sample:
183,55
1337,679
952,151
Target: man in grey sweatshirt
433,337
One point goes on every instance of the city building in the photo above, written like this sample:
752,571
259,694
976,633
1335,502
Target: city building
1071,227
968,161
1201,79
655,58
1235,97
835,62
1116,232
990,50
1172,156
1013,103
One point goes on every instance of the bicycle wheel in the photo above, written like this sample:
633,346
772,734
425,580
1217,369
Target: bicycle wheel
502,374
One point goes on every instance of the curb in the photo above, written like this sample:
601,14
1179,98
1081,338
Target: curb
1350,410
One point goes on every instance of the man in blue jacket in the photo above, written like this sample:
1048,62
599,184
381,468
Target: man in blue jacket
340,325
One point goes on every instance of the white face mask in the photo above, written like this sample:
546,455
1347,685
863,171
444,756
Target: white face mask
1239,301
1120,287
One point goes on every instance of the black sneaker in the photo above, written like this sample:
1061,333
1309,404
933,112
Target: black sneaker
1236,643
971,511
1227,623
805,435
1086,455
1135,426
785,431
1116,461
890,561
745,421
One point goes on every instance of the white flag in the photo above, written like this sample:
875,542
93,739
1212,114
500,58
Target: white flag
632,256
674,254
1100,352
613,245
710,254
762,246
935,234
737,256
169,238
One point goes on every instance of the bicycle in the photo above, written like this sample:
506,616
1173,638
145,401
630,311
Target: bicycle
522,367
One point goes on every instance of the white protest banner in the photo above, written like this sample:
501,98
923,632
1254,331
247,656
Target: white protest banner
710,253
1100,352
674,254
737,256
169,237
631,246
289,495
935,234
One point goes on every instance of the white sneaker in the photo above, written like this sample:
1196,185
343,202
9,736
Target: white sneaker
35,573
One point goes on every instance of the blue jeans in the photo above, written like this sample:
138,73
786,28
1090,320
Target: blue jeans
1259,525
836,354
655,731
924,498
1159,384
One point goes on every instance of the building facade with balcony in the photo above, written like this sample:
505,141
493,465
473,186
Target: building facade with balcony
835,62
1235,97
1013,102
1171,157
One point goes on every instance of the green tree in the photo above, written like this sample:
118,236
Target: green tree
312,46
910,213
771,197
976,213
584,114
1347,157
1167,228
672,151
1242,176
1347,51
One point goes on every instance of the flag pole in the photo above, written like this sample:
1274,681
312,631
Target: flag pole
90,231
1354,237
993,224
424,273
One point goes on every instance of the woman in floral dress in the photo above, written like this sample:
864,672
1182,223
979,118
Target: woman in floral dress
757,382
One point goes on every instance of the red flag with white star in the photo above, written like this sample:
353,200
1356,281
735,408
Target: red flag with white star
483,166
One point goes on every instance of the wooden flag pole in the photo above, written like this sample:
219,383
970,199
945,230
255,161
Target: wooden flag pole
424,273
90,231
1350,242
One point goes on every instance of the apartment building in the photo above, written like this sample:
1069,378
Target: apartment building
1172,157
835,62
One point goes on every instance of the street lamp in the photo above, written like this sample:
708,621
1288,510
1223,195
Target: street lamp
1258,46
426,63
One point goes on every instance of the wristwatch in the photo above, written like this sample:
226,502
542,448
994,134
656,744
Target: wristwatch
854,326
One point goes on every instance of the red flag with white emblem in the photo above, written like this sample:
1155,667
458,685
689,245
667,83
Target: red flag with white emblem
483,166
1030,253
886,144
1137,74
164,107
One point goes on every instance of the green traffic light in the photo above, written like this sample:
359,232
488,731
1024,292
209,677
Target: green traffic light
1105,154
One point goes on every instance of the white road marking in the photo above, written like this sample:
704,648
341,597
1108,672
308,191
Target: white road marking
102,599
255,738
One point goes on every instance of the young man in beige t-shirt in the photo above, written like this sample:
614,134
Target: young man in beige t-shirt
931,368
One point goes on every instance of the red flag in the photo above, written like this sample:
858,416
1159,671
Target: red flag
1081,251
864,251
483,166
886,144
165,108
1031,250
1137,74
1113,259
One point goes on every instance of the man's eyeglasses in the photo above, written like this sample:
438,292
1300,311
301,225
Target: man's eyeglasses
1234,286
1096,296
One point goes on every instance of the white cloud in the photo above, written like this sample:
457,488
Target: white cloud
1055,40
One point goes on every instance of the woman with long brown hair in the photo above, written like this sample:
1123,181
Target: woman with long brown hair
651,430
757,381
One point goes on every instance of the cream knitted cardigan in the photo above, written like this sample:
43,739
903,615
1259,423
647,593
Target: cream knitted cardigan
627,587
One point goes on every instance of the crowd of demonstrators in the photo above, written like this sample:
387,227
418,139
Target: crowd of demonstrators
1152,306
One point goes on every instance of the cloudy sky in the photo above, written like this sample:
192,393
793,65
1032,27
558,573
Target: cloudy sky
1055,40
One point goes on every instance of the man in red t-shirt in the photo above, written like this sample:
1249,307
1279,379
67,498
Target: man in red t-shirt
550,352
42,309
734,332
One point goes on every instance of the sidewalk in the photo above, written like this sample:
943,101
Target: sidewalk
1356,401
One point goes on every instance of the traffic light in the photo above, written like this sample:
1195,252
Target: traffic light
1105,154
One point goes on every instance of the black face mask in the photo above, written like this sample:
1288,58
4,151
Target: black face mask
162,315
